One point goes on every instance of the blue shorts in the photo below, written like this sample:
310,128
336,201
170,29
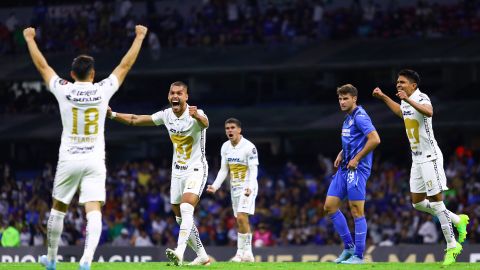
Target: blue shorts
349,183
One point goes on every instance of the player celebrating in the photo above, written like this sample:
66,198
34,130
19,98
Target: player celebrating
81,161
359,139
186,126
427,177
239,156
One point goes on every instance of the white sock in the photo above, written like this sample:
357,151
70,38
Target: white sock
186,210
94,230
425,206
248,244
446,223
54,231
241,240
194,241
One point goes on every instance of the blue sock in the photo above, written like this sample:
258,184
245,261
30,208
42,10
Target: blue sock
360,236
341,226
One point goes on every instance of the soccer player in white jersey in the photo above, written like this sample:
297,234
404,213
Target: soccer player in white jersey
427,176
186,127
239,156
81,162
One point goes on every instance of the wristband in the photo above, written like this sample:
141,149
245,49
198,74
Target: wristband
113,115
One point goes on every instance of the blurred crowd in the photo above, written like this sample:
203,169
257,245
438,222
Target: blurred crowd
288,207
97,26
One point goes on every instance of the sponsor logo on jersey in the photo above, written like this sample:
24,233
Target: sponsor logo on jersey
345,132
254,151
407,113
178,131
234,160
63,82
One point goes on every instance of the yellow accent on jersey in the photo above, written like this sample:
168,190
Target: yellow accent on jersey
75,121
238,171
412,127
91,122
183,147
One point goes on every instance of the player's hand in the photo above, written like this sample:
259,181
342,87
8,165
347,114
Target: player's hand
377,92
248,191
29,33
337,161
402,95
141,31
211,189
352,164
193,111
109,112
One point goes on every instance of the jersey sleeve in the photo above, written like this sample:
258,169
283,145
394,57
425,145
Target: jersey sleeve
252,155
158,118
364,123
424,99
56,85
109,85
202,113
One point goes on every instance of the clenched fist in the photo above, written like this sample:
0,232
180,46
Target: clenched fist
141,31
29,33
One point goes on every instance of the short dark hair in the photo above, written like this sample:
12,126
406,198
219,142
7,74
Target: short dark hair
411,75
179,83
82,65
347,89
235,121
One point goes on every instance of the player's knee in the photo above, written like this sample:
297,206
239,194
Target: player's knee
329,209
186,208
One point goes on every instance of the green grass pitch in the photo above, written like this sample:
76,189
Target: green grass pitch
245,266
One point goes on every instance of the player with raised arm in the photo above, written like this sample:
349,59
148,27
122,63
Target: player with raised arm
81,162
239,156
427,176
354,163
186,127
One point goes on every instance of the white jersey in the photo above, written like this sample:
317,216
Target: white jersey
238,158
83,108
420,130
188,139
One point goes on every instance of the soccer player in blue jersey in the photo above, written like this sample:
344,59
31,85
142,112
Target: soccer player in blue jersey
354,163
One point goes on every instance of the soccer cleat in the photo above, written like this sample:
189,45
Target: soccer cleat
248,257
451,254
353,260
462,228
201,260
49,265
84,266
175,258
345,255
236,258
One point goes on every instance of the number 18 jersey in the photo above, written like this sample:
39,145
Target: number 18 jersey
83,108
420,130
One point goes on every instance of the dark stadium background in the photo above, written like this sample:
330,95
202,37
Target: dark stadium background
278,78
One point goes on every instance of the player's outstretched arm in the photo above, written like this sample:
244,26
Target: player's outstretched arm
130,119
129,59
37,57
392,105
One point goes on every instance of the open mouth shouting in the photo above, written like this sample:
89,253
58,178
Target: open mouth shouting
175,104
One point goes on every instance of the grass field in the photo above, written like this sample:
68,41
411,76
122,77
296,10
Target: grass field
236,266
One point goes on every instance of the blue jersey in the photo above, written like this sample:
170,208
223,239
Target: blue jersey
355,129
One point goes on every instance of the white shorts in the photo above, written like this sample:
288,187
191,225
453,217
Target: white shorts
190,182
428,177
244,204
87,175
